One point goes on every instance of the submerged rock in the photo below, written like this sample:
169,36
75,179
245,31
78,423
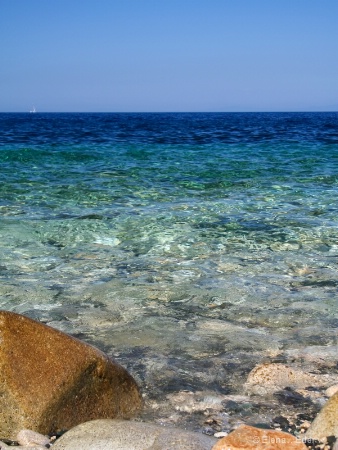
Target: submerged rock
51,381
128,435
316,355
268,378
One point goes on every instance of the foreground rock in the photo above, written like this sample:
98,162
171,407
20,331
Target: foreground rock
125,435
246,437
50,381
326,423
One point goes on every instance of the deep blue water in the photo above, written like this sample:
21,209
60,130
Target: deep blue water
173,237
94,161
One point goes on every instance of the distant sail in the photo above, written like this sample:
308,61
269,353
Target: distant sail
33,110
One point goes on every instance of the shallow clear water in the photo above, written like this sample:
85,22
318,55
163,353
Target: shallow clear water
188,246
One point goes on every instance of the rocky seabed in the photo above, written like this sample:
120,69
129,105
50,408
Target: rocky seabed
61,393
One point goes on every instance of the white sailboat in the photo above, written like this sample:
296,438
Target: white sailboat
33,110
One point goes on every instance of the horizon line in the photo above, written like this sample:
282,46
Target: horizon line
170,112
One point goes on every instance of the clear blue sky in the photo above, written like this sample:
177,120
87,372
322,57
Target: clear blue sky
169,55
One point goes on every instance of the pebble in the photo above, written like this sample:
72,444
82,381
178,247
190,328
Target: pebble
220,434
31,438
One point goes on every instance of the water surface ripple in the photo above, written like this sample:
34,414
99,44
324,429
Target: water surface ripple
188,246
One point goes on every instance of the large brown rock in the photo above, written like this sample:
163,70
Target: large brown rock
51,381
251,438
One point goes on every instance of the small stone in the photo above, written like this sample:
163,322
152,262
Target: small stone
220,434
305,425
31,438
250,438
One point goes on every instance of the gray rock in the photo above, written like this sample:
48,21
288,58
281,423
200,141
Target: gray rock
128,435
326,422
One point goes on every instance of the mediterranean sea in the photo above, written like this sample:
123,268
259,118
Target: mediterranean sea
188,246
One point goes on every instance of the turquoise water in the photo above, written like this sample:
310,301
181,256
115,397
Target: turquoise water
190,247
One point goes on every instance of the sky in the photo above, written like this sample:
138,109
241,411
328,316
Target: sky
168,55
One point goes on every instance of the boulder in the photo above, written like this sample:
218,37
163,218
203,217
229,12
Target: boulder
326,422
246,437
128,435
50,381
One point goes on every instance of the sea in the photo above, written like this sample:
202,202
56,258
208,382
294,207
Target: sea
189,247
